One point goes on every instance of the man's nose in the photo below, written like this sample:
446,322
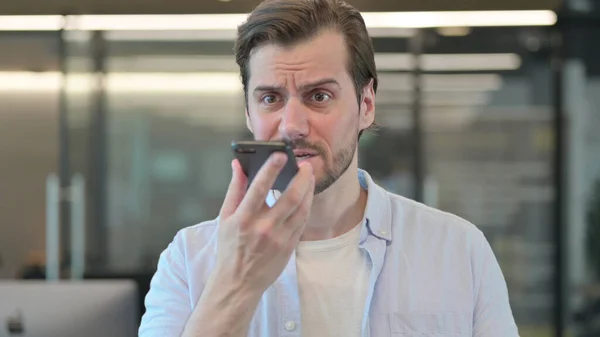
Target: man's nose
294,121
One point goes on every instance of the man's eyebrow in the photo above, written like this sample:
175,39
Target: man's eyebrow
268,88
309,86
304,87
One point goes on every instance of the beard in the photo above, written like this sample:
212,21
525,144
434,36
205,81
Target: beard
341,161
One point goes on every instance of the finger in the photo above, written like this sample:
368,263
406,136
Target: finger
297,221
297,236
295,194
262,183
235,191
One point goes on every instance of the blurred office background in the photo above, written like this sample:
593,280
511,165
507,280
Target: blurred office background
117,130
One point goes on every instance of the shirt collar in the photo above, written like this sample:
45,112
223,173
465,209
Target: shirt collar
378,215
377,219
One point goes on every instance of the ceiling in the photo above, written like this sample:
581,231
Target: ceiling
36,7
38,51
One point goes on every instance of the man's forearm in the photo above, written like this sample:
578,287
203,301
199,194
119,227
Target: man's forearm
222,311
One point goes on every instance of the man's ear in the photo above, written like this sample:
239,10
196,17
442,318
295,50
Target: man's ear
367,106
248,123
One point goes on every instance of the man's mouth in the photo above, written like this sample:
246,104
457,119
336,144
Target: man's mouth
302,154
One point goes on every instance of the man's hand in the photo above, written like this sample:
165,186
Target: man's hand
255,243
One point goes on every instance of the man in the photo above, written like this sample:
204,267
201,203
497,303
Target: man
335,254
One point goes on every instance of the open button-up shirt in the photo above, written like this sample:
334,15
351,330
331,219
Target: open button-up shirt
433,274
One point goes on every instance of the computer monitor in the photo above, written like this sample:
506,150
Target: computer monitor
68,308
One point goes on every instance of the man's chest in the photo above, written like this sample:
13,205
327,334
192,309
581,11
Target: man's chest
403,297
333,286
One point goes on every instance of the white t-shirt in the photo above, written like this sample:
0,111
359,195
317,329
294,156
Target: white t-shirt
333,277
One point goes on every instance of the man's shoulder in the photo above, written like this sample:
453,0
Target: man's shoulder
420,230
198,235
407,216
419,216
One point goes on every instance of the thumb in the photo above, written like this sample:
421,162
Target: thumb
235,192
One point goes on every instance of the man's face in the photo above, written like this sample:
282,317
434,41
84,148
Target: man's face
304,94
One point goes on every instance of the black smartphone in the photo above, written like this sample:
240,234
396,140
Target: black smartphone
253,154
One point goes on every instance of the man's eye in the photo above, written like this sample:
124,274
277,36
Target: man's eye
269,99
321,97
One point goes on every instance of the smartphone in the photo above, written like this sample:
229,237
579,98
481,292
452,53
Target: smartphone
253,154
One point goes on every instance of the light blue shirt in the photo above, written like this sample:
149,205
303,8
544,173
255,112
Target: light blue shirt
433,274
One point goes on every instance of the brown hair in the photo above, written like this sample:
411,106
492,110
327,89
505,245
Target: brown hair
286,22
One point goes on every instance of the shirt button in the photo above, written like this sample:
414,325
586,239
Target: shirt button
290,325
383,232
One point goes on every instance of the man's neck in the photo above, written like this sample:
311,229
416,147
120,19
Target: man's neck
338,209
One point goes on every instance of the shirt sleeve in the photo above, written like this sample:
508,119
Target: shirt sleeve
492,316
167,302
